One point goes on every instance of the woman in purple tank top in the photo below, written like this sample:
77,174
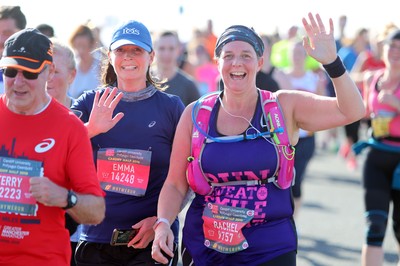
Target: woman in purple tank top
247,218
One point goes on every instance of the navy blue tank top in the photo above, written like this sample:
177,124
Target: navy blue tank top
243,160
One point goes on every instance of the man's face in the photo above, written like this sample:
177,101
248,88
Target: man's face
7,28
167,52
26,96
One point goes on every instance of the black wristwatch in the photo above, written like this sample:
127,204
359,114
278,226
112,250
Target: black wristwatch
72,199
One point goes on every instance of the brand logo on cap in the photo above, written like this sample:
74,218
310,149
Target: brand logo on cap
130,31
20,50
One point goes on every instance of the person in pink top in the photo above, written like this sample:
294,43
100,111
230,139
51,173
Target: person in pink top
381,171
206,71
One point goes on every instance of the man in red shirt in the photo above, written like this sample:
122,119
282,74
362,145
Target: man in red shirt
46,164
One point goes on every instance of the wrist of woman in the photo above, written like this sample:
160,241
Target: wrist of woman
90,130
159,221
335,69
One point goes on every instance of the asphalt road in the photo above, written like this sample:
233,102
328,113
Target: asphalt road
331,223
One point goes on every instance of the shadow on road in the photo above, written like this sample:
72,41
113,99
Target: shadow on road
317,251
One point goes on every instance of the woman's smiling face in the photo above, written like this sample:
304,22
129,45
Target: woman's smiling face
238,64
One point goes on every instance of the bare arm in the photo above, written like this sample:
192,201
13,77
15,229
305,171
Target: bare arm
175,187
90,209
313,112
368,77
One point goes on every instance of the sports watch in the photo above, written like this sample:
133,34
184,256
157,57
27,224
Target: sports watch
72,199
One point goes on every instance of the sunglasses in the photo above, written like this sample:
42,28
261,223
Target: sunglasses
12,73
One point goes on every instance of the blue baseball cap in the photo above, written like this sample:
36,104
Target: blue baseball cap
132,32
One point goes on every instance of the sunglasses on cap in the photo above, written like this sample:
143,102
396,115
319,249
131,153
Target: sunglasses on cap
12,73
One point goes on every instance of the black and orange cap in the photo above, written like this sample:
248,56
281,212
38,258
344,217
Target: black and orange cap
28,50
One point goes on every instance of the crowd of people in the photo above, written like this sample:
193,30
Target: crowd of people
123,135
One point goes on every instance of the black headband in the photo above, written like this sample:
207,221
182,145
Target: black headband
240,33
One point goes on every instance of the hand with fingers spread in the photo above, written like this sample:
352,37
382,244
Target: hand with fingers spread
101,118
319,43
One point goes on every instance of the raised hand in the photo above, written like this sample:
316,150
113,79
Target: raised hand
319,43
101,118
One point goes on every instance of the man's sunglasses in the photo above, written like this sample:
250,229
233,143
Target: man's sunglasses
12,73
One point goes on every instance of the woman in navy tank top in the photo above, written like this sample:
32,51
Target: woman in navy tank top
247,217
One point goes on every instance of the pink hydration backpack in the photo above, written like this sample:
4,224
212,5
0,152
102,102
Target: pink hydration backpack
283,178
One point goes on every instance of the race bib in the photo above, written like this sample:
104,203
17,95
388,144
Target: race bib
223,227
14,185
380,126
124,171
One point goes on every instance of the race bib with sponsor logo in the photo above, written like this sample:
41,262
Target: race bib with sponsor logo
14,185
124,171
223,227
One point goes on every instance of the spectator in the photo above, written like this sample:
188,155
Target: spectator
88,65
11,20
271,78
46,29
167,50
302,79
349,55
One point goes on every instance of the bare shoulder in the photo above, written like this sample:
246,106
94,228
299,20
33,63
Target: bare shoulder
186,118
292,100
286,96
188,110
287,100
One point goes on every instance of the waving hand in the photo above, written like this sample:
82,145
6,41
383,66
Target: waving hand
101,118
319,43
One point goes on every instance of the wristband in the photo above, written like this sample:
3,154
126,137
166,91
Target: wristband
335,69
161,220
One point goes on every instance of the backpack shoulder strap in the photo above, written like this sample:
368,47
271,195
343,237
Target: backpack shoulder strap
276,124
201,113
200,117
273,113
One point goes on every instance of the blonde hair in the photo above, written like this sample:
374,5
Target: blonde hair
63,48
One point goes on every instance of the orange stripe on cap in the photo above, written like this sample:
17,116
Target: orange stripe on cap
38,70
25,58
